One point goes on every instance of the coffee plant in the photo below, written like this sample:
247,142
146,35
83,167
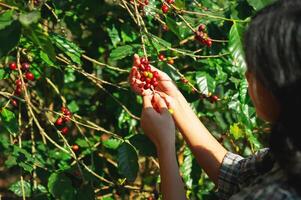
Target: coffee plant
69,122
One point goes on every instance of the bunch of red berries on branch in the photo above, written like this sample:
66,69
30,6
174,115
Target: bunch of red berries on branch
63,119
165,6
149,77
202,36
141,3
28,76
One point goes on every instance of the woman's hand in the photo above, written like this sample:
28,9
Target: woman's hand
165,85
157,123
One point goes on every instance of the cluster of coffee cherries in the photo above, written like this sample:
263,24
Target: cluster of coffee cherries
202,36
149,77
61,124
169,60
210,97
141,3
28,76
165,7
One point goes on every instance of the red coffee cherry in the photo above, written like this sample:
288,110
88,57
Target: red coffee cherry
18,91
75,147
13,66
25,66
170,1
14,102
155,74
164,8
18,83
29,76
59,121
161,57
213,98
202,27
184,80
64,130
165,27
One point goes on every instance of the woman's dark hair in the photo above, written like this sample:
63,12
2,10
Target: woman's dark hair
273,54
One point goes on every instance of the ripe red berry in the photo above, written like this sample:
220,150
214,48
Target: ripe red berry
29,76
184,80
165,27
64,109
144,61
142,78
25,66
170,1
13,66
147,68
64,130
161,57
148,80
14,102
59,121
213,98
67,118
209,42
164,8
18,83
75,147
147,86
155,83
18,91
155,74
202,27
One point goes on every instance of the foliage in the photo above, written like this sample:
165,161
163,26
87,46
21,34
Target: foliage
80,54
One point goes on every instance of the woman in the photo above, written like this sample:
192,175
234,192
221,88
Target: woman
273,56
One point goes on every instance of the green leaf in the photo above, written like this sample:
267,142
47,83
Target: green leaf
159,43
236,45
21,186
73,107
111,143
127,162
6,18
243,90
186,168
114,35
28,18
61,187
144,146
46,59
259,4
178,28
3,73
9,37
124,51
205,82
9,121
35,34
68,47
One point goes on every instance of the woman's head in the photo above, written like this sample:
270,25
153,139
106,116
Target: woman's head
273,56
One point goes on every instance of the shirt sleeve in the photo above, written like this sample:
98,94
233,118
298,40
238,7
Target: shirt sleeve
236,172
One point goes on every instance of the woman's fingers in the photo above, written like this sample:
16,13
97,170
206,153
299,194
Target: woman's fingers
136,60
147,101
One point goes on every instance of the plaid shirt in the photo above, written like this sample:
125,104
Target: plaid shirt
239,179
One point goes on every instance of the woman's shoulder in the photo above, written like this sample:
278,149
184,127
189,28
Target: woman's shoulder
274,190
271,185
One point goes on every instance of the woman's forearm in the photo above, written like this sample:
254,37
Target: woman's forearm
172,186
207,150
